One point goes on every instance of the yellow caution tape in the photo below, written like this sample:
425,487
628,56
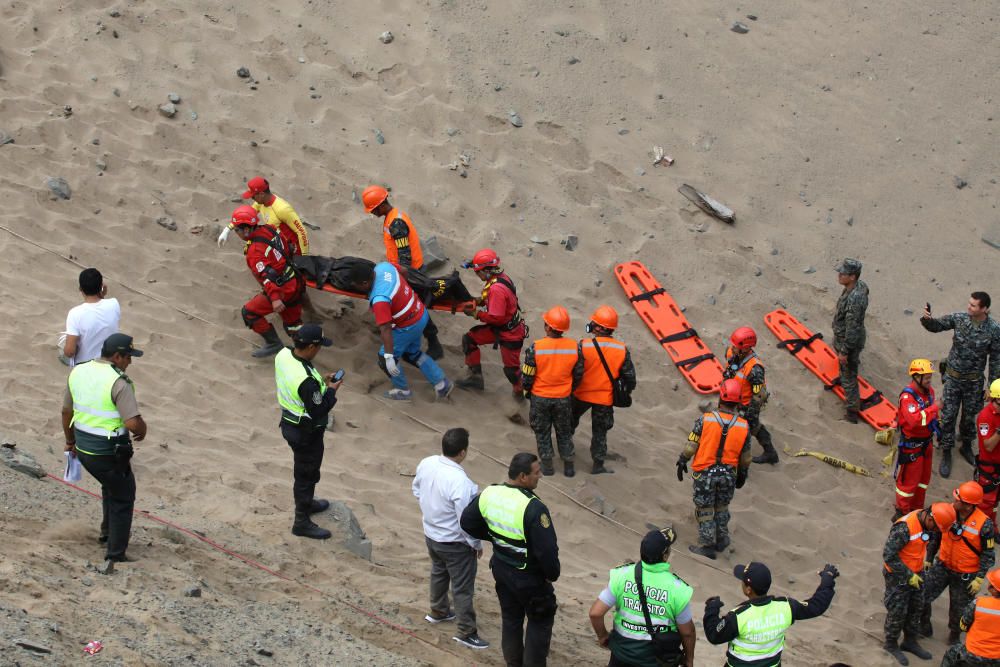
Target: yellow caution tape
835,462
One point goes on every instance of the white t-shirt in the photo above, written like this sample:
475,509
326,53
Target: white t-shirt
93,323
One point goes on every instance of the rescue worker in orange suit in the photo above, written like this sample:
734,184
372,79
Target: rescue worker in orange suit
267,258
719,443
274,211
552,368
402,247
502,325
917,419
965,556
981,621
988,460
595,391
905,557
743,364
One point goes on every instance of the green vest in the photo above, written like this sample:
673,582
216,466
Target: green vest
503,510
762,634
94,411
666,596
289,373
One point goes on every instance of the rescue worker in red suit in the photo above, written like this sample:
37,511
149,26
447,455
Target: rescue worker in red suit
917,419
502,325
988,461
268,259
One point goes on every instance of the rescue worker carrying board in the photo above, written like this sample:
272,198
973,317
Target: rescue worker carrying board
269,263
982,622
402,247
916,418
719,443
743,364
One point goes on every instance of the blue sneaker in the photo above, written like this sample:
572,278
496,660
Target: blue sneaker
445,391
399,394
472,641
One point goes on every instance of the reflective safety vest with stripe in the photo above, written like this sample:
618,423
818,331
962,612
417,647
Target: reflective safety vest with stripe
983,639
958,556
554,361
915,551
666,597
503,510
711,448
596,387
289,373
392,245
762,633
94,410
742,373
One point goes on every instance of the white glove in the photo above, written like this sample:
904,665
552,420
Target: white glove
223,236
390,365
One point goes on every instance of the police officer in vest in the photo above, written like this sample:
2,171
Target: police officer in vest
981,621
306,398
965,556
99,411
756,628
904,562
525,559
667,609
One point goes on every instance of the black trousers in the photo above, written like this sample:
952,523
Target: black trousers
307,455
117,497
524,595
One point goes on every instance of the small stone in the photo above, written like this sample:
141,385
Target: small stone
774,251
451,131
752,17
740,28
622,132
265,652
675,386
379,137
95,141
386,37
87,581
32,646
114,13
302,60
498,87
168,110
711,299
809,269
515,120
67,111
116,92
192,592
5,138
194,115
907,311
573,60
571,242
253,144
991,237
639,171
174,98
757,271
562,33
960,182
243,73
850,221
59,187
539,240
167,222
101,165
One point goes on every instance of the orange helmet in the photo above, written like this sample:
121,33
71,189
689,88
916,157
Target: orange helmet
486,258
921,367
993,576
245,216
557,318
944,515
969,493
743,339
605,316
730,392
372,196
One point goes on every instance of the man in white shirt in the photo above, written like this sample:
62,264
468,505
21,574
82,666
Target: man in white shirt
89,324
443,489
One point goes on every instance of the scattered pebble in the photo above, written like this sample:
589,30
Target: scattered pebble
960,182
539,240
907,311
740,28
850,221
174,98
809,269
379,137
752,17
774,251
757,271
639,171
59,187
515,120
101,165
302,60
114,13
571,242
711,299
386,37
243,73
167,222
192,592
194,115
451,131
622,132
5,138
168,110
33,646
573,60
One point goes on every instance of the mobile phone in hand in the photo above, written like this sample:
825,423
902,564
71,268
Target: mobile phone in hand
338,376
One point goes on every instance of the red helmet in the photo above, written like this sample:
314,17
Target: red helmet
557,318
484,259
730,391
743,339
372,196
969,492
944,515
605,316
245,216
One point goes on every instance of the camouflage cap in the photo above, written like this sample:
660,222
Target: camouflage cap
849,265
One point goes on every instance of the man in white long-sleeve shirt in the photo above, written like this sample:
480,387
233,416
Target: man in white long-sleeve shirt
443,489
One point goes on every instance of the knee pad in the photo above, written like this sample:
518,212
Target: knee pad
248,317
468,345
512,373
414,360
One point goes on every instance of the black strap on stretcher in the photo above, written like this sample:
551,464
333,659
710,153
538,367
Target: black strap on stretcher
874,399
795,345
688,364
647,296
680,335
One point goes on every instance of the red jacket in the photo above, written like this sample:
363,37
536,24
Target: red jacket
914,419
268,262
500,308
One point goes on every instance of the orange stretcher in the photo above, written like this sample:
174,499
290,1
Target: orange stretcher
447,306
664,318
817,356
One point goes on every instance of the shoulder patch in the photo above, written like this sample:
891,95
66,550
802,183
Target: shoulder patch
721,625
260,266
317,397
544,520
912,408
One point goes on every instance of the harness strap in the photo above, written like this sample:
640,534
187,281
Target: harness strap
873,400
688,364
795,345
647,296
681,335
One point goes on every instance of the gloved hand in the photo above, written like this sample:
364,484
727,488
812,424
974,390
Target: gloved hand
223,236
741,477
975,585
713,603
915,580
390,365
682,467
829,570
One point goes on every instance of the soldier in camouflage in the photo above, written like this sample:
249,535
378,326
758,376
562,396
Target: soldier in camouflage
849,332
976,338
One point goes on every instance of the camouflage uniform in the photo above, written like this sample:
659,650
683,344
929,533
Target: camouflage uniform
971,344
602,417
958,655
751,411
546,413
849,339
939,577
714,489
903,603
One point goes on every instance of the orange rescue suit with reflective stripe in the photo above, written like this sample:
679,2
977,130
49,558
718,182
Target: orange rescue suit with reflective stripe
915,551
955,553
391,249
596,387
983,639
711,436
554,361
743,375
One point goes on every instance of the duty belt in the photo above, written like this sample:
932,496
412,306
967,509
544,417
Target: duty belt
912,450
986,471
965,377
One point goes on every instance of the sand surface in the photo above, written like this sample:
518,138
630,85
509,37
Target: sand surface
830,130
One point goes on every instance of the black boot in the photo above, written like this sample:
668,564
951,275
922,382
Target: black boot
770,455
945,468
599,469
722,544
474,380
434,349
707,552
272,345
892,648
304,527
926,628
568,469
851,416
966,451
910,645
547,468
318,505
